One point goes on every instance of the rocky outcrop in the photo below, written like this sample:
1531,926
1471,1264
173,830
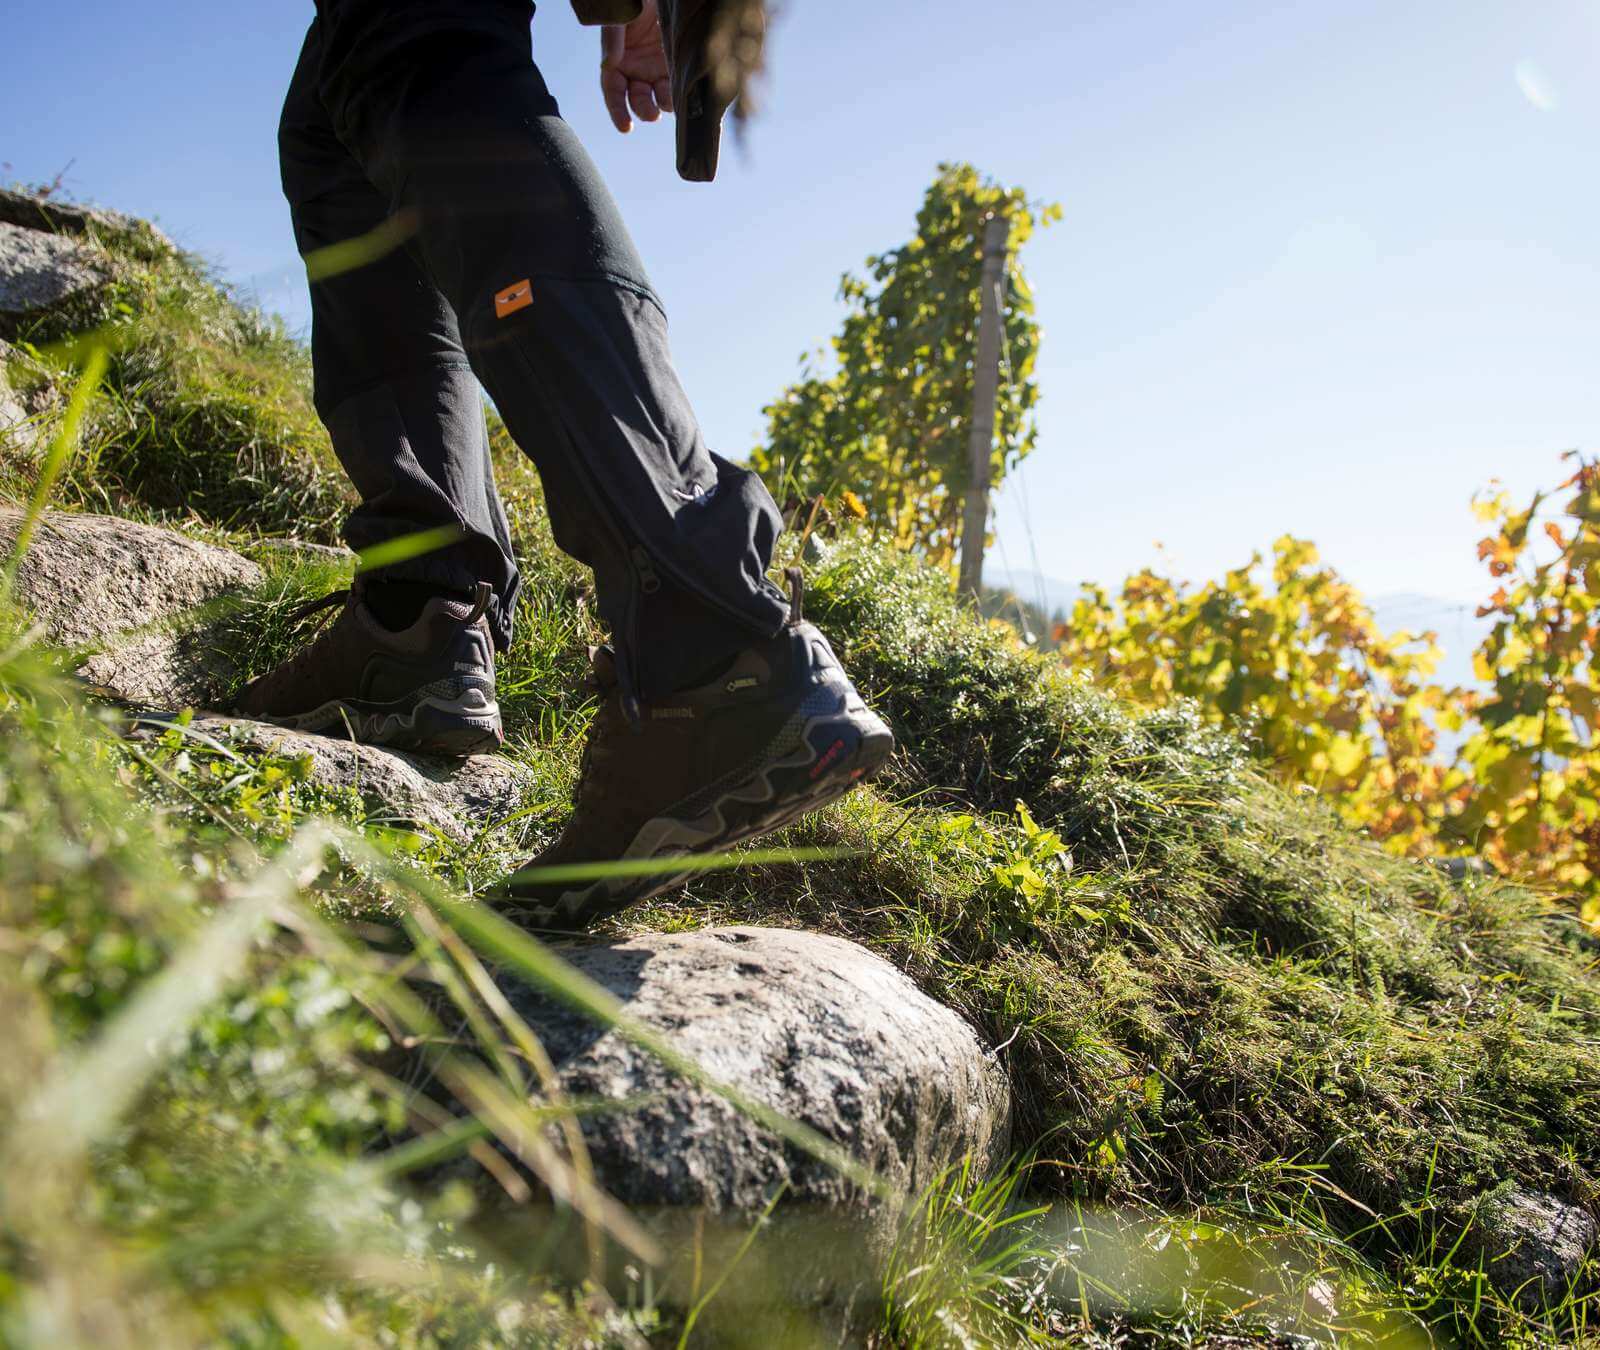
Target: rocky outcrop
29,211
1532,1245
458,797
54,270
145,603
90,577
814,1026
133,594
40,271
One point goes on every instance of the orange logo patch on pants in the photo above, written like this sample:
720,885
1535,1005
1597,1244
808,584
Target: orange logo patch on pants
518,295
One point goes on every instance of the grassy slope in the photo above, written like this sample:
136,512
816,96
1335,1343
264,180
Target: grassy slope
1211,997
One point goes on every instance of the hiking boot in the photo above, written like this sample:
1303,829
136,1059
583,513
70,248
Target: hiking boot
428,687
779,732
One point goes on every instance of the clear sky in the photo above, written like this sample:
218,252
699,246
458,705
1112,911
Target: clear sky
1325,268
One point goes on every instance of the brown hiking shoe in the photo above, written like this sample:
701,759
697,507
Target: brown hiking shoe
429,687
778,733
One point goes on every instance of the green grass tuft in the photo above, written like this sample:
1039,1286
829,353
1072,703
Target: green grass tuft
206,411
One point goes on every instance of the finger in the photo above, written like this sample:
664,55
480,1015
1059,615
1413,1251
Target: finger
643,101
613,83
614,89
663,90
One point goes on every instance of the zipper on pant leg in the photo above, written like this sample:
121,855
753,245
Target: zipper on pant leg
649,582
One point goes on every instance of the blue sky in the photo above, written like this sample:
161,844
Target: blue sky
1325,268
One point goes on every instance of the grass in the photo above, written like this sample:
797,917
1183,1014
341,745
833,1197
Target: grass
1267,1073
206,412
1219,1001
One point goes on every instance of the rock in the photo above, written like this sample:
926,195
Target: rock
40,271
303,550
815,1026
15,432
1460,870
458,797
122,589
52,216
55,264
86,577
92,579
1531,1244
162,669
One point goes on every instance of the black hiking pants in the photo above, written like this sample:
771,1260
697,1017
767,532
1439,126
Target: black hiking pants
479,244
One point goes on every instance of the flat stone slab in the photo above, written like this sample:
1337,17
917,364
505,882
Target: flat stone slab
40,271
87,578
815,1026
32,212
135,593
458,797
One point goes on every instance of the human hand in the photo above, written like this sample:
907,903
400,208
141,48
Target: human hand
633,69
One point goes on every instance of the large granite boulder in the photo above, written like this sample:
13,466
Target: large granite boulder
815,1026
131,593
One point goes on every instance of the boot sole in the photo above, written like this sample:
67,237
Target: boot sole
832,742
466,724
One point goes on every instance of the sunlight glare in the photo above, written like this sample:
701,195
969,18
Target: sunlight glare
1536,86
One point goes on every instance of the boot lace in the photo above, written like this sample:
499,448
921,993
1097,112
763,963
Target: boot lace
292,669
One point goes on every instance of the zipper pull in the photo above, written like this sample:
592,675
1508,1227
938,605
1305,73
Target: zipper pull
649,582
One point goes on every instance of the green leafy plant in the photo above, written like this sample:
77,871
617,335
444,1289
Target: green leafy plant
889,424
1025,867
1530,770
1291,657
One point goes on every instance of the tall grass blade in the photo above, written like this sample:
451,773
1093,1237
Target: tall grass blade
349,254
408,546
704,1301
702,862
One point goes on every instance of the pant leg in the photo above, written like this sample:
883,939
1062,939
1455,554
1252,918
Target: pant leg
392,381
445,111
